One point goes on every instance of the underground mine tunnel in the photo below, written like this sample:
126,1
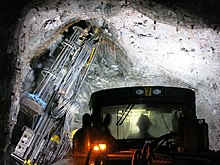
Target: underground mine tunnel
149,42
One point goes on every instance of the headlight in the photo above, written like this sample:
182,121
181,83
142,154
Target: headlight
99,146
139,92
156,91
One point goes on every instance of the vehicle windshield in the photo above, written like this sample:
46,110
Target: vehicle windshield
143,121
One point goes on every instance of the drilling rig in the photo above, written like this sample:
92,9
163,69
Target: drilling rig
54,99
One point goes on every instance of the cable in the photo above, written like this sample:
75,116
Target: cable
165,122
137,158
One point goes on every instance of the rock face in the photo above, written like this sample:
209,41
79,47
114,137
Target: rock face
146,43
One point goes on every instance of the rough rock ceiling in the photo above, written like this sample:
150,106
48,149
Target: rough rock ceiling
154,44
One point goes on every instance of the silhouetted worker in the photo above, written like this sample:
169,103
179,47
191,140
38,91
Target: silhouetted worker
82,137
111,141
106,123
143,124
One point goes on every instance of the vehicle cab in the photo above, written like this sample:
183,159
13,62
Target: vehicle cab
162,118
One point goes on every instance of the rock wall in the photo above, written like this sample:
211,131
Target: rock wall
169,44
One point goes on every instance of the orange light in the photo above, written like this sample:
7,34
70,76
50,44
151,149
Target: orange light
99,147
102,146
96,148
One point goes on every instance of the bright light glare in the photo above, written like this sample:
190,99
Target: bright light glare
99,147
96,148
102,146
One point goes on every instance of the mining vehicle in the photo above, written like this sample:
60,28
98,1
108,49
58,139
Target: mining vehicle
150,125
